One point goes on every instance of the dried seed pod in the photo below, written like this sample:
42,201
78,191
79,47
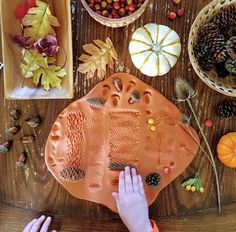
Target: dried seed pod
96,102
4,148
15,115
34,121
153,180
118,84
21,159
12,130
120,166
27,139
135,97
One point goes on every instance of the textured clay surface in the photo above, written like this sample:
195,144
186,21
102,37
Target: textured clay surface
121,121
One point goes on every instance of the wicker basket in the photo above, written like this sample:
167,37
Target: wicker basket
227,86
115,22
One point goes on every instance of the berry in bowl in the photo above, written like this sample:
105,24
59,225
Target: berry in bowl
115,13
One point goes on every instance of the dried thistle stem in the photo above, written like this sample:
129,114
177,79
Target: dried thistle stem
210,153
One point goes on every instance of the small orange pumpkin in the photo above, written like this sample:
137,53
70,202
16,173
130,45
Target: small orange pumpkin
226,150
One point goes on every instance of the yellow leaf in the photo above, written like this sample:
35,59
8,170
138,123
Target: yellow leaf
32,61
99,55
49,76
39,22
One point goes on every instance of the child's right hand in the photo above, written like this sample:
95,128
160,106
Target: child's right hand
131,201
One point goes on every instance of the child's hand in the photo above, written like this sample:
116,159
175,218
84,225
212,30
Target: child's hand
39,224
131,201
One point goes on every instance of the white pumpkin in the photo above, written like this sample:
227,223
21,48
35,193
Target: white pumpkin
154,49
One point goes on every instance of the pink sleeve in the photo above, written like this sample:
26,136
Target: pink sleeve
154,226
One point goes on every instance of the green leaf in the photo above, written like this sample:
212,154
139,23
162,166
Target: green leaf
39,22
32,61
49,76
198,184
191,181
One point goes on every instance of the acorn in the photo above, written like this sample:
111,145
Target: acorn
21,159
15,115
12,130
4,148
34,121
135,97
118,84
27,139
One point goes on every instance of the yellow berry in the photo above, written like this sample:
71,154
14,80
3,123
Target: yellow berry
188,187
193,189
151,121
202,190
153,128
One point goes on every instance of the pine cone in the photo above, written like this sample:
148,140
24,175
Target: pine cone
120,166
72,174
231,47
153,180
221,70
227,109
230,66
201,51
207,30
226,18
230,33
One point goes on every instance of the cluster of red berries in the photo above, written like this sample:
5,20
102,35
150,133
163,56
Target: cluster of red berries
172,15
115,9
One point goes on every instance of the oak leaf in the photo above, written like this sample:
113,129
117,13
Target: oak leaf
99,55
49,76
39,22
32,61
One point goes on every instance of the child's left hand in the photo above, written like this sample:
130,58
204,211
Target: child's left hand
39,224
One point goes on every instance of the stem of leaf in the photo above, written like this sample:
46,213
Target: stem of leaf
211,155
65,59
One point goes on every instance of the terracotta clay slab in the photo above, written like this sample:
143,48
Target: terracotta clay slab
13,78
96,135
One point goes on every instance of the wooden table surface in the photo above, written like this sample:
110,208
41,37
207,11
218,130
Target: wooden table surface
32,187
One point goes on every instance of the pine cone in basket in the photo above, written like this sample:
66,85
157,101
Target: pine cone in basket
230,66
153,180
231,47
230,32
202,51
207,29
226,18
221,70
227,109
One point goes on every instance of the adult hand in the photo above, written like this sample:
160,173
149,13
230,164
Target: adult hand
131,201
39,225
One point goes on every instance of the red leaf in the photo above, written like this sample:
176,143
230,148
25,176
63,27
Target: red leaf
31,3
23,8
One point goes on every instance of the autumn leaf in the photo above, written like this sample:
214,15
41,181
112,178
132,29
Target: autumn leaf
99,55
32,61
23,8
39,22
49,76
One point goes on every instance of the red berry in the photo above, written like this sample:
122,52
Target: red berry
132,7
180,12
208,123
171,15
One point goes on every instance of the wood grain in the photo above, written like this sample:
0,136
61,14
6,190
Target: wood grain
33,187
